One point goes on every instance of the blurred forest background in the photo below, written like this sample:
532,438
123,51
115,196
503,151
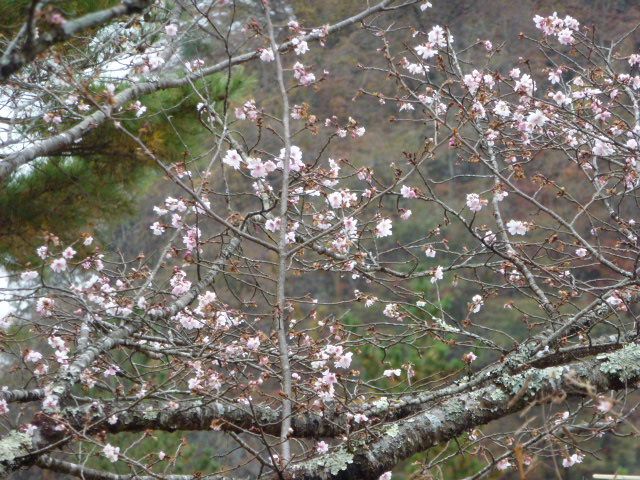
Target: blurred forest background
104,186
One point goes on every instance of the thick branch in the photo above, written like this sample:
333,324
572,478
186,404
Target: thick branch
16,447
466,411
21,53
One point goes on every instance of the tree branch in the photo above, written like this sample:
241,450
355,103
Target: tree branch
13,161
19,54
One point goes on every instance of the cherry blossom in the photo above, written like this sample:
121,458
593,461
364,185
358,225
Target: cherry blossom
32,356
438,274
253,343
157,228
302,75
474,202
572,460
426,51
476,303
581,252
469,357
233,159
111,453
517,227
266,55
603,148
322,447
383,228
50,402
171,30
59,265
273,224
501,109
537,119
408,192
300,46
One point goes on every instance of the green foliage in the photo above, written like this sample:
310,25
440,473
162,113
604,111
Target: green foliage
192,456
62,195
98,180
431,360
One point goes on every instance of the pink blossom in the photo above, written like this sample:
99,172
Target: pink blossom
344,361
408,192
190,239
572,460
537,119
44,306
329,378
157,228
426,51
111,453
233,159
474,202
59,265
383,228
360,418
476,303
603,148
32,356
266,55
295,159
438,274
322,447
503,464
565,37
253,343
300,46
517,227
171,30
300,73
555,76
273,224
179,283
469,357
501,109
